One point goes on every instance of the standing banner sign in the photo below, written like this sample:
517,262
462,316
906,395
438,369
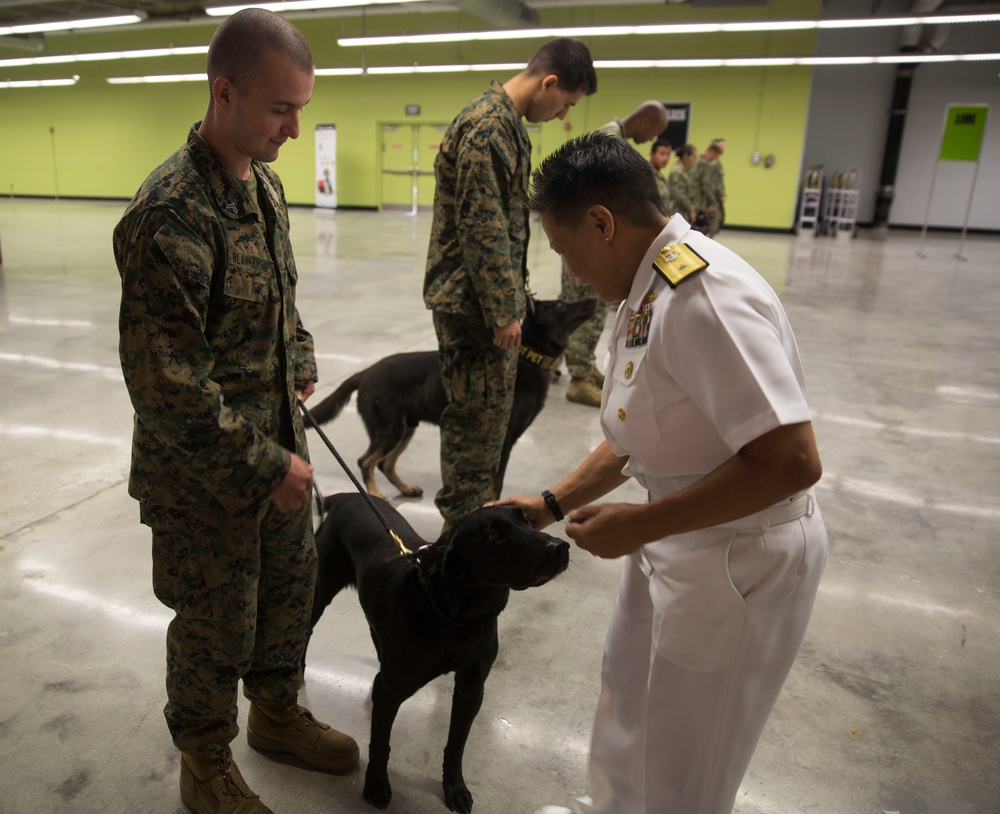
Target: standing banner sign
961,140
326,165
678,121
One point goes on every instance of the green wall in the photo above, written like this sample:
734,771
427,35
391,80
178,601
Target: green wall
104,138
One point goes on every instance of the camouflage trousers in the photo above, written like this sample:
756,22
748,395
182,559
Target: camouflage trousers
241,590
583,341
478,380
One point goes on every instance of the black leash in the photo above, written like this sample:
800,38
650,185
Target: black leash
396,538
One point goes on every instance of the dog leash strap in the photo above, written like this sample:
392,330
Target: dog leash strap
312,423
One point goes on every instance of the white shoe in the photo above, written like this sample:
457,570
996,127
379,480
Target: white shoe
587,801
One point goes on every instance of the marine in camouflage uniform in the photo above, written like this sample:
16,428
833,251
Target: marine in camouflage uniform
685,189
475,281
711,177
211,349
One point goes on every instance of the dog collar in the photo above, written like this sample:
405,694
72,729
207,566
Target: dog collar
537,358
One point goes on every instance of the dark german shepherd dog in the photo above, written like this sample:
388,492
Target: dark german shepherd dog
398,392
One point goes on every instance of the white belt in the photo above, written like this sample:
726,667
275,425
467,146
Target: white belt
800,505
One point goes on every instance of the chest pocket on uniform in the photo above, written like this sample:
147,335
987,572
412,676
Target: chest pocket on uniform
630,416
250,278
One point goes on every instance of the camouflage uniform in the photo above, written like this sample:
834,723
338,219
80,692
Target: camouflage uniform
211,348
583,341
685,190
664,189
475,281
713,190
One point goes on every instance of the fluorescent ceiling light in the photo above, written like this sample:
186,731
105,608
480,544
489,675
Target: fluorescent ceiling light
73,25
157,80
500,68
57,59
667,28
302,5
39,83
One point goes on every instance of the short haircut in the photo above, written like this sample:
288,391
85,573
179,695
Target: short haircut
570,61
660,142
596,169
686,150
716,145
238,44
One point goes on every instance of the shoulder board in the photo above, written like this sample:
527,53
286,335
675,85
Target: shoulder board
678,262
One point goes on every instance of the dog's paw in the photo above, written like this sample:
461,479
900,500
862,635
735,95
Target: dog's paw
377,793
411,491
458,797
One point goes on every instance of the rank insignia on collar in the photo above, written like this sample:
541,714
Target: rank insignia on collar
232,208
678,262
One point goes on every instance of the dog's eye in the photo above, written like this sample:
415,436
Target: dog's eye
493,536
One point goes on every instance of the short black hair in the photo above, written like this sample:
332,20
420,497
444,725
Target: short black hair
685,150
660,142
238,44
596,169
569,60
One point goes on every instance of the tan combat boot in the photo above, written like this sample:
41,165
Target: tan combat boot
597,377
291,729
211,784
584,391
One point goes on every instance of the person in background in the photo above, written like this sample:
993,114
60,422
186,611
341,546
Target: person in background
711,177
475,276
685,185
659,157
643,124
705,408
214,357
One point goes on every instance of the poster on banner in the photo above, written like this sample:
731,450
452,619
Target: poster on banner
678,122
964,126
326,165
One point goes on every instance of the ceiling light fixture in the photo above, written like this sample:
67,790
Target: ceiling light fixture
301,5
605,64
38,83
58,59
667,28
73,25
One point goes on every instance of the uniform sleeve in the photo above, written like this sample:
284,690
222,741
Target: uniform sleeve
484,170
729,350
167,361
304,354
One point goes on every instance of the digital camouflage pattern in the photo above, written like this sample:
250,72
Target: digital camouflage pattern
711,177
210,339
478,379
475,260
664,189
685,190
475,281
211,347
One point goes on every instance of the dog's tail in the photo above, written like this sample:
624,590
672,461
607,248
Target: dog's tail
330,407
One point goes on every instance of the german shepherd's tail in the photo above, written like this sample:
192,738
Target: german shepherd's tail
330,407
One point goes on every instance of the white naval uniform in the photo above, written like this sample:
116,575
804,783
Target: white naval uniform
706,625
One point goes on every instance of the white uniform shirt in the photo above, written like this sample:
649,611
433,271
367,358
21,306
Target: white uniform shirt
719,367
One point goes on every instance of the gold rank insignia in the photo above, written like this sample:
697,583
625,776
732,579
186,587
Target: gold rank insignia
678,262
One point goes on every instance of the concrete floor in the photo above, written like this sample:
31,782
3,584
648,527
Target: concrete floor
892,706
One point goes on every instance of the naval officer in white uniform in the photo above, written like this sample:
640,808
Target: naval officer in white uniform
704,405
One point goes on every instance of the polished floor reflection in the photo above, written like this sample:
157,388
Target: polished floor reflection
893,704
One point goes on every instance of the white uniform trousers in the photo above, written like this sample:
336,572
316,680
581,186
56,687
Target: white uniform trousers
702,637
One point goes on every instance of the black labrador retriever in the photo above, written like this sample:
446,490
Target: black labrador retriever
429,614
398,392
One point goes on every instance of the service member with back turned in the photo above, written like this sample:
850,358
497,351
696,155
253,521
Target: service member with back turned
475,276
704,406
214,356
